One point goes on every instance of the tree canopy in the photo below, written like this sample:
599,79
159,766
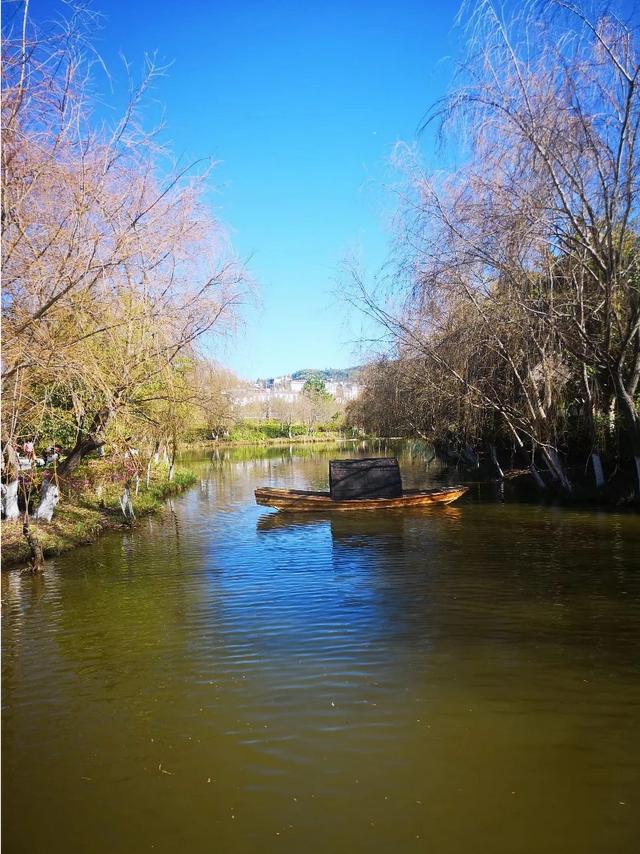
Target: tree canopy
513,315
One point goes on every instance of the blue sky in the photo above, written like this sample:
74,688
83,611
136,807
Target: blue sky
301,102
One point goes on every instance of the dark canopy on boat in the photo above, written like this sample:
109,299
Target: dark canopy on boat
373,477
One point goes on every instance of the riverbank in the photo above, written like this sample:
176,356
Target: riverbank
81,521
324,438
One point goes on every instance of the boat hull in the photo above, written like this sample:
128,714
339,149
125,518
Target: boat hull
298,501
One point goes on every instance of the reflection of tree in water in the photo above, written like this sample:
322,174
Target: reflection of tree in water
220,636
22,594
120,617
235,472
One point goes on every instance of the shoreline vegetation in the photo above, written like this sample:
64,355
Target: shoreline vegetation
93,503
510,308
110,493
93,500
329,438
511,318
94,511
115,269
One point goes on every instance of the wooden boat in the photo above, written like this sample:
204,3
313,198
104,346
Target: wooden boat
299,500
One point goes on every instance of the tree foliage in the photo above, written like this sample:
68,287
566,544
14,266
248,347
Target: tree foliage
114,267
514,314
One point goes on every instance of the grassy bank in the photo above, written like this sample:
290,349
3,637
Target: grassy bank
260,432
80,519
325,438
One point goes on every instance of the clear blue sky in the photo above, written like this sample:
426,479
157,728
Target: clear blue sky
302,103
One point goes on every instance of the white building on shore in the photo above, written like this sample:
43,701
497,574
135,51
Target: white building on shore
288,390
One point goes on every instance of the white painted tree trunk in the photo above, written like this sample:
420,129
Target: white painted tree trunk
557,472
137,479
612,417
637,462
10,508
125,504
171,471
471,456
49,497
598,472
537,476
494,460
148,477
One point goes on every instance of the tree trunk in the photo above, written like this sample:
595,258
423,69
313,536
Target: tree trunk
598,472
37,555
494,460
612,417
125,504
93,439
550,456
10,471
49,497
537,476
10,508
632,419
174,451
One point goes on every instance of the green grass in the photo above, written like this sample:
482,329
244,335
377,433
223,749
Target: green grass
80,519
148,500
71,526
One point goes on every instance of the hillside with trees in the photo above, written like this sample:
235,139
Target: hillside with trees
329,374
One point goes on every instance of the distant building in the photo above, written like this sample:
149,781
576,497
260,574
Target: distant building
284,388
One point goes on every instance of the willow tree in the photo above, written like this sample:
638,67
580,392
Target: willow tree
113,265
317,406
532,239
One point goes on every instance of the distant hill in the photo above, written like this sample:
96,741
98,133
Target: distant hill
340,375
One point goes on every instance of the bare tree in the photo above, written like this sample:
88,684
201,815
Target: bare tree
526,255
114,268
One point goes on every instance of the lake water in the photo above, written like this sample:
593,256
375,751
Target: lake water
227,679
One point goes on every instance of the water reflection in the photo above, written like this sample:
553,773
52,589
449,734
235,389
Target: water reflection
327,682
367,523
